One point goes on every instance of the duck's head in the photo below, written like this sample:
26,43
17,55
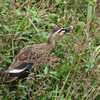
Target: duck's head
59,33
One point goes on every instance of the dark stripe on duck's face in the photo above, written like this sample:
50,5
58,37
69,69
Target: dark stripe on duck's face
64,30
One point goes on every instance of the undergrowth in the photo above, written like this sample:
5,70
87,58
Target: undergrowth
30,21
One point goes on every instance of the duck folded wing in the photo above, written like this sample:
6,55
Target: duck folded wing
20,68
11,75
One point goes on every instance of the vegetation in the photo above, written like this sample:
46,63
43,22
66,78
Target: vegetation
25,22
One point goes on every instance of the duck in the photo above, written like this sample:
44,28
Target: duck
34,56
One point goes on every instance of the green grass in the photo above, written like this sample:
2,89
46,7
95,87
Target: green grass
78,75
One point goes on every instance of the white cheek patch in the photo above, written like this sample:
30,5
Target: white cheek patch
14,71
62,33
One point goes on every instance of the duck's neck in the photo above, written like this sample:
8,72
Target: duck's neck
52,41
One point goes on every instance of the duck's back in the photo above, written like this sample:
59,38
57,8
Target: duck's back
36,54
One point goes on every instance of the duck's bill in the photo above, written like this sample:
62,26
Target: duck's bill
68,29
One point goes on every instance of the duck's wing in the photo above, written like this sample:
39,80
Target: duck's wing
22,67
11,75
29,54
22,59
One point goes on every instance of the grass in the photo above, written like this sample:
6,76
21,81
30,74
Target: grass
78,75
